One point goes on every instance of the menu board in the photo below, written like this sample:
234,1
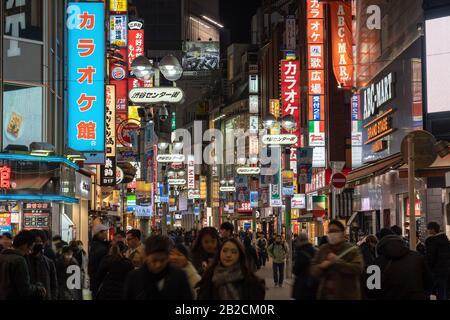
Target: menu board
36,216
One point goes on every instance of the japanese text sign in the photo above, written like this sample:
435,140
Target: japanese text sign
110,121
108,172
341,34
135,45
118,6
5,177
290,91
118,30
86,70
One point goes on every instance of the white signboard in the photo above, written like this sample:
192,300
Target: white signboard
227,189
156,95
176,181
254,124
298,201
319,157
191,172
253,104
178,158
285,139
143,211
253,83
248,170
317,139
193,194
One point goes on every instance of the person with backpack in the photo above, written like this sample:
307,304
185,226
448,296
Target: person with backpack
278,251
261,245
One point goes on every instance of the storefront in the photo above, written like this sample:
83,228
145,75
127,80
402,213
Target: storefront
37,193
389,108
80,215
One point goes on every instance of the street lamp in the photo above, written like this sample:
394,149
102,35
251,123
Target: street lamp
222,182
253,159
142,68
288,122
163,145
170,67
181,173
177,146
231,182
269,121
241,160
171,173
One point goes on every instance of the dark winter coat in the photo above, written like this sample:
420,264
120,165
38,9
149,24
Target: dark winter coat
252,258
171,284
49,252
42,270
305,286
64,293
438,254
368,254
404,273
111,275
15,278
200,259
249,288
98,250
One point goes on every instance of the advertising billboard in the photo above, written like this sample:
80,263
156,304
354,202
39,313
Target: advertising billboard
118,30
85,76
22,120
201,56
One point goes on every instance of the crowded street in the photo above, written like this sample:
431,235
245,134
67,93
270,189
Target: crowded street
264,152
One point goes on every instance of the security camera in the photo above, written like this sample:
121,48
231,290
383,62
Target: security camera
163,114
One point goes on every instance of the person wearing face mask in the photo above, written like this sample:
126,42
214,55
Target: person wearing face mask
278,251
14,274
338,266
229,277
62,263
42,269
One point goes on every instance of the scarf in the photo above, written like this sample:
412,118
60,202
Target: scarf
224,278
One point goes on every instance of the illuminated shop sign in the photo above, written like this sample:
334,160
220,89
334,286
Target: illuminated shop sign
377,129
377,95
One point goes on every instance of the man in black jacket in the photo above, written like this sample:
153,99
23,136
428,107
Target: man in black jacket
156,279
404,273
438,259
305,286
14,275
42,269
98,250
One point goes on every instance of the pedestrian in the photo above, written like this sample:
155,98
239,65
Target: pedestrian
229,277
438,259
420,246
251,255
368,249
261,245
41,268
338,266
121,236
63,262
136,251
226,230
82,259
157,279
6,241
58,243
179,256
404,273
305,285
14,274
399,232
112,273
98,250
278,251
205,249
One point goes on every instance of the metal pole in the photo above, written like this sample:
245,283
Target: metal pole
412,194
288,218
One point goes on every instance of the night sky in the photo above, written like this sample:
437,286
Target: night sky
236,15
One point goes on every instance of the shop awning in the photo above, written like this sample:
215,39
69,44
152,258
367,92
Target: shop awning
30,182
374,169
439,167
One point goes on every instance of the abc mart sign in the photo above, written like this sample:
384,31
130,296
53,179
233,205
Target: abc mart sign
177,158
156,95
284,139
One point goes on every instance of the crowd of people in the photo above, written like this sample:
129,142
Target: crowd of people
211,264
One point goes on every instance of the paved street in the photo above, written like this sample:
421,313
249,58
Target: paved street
273,293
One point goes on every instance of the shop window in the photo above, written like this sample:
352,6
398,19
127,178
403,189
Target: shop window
23,19
22,115
24,65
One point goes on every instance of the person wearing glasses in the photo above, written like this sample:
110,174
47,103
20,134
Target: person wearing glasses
136,250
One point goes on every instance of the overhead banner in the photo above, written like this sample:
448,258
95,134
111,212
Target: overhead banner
342,40
85,76
110,121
